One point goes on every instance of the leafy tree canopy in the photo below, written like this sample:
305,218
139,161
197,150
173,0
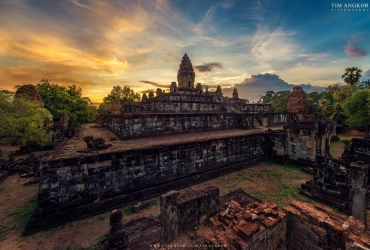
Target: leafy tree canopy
59,100
357,108
125,94
23,121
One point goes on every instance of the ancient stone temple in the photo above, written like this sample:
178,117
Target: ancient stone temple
298,101
172,140
186,74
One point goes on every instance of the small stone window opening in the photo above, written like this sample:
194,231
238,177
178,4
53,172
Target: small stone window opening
189,84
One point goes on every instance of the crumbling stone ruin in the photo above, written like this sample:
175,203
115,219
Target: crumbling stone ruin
95,144
261,225
196,219
29,92
116,107
344,183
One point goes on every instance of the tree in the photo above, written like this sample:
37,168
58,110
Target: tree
314,97
59,100
280,100
357,108
343,92
337,114
125,94
267,98
323,105
23,121
352,76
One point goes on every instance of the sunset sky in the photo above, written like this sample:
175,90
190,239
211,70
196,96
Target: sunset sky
254,45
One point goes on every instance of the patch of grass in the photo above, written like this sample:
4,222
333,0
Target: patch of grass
282,187
22,214
291,167
345,137
272,172
129,209
152,203
2,188
231,181
269,163
102,218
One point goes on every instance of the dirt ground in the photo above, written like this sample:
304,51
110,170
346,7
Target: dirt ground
266,181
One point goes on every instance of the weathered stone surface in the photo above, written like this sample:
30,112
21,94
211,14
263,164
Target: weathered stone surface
186,74
140,125
319,227
298,101
29,92
63,122
358,190
116,106
255,226
116,236
169,217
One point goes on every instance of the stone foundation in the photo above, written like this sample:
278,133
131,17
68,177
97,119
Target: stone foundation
140,125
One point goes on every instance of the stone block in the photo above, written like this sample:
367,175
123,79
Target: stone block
169,217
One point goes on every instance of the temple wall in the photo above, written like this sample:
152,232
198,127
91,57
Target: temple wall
127,126
138,125
319,227
79,181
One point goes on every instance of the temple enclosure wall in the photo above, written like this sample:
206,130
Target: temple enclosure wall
83,180
79,186
140,125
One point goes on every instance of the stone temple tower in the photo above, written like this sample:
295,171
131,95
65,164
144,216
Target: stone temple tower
186,74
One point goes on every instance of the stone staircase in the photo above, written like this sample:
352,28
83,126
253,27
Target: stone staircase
256,123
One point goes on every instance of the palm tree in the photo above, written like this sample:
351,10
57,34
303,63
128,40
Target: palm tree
351,76
324,105
338,115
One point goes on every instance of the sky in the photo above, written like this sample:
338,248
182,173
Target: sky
254,45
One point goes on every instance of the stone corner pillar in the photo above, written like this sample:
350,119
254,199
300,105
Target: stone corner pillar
357,194
169,217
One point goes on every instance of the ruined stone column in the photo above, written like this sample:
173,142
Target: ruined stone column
169,217
357,195
116,236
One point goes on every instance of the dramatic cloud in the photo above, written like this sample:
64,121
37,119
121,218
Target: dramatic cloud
254,87
352,50
208,67
156,84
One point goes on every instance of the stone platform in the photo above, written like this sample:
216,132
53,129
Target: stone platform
77,143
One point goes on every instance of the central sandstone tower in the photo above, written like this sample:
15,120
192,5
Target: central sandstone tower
186,74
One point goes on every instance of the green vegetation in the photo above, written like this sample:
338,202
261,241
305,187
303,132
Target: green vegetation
352,76
277,100
232,180
102,218
59,100
22,214
152,203
129,209
285,188
357,108
125,94
2,188
23,121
